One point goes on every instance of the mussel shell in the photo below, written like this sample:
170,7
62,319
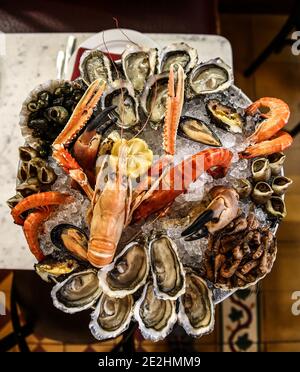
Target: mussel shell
225,117
280,184
167,270
121,94
276,161
156,317
138,64
196,308
71,239
276,207
111,317
154,98
50,268
210,77
261,170
261,193
93,65
177,53
78,292
127,273
198,131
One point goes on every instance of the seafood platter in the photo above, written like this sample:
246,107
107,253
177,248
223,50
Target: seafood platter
148,186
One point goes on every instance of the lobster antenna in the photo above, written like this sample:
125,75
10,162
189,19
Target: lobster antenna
122,113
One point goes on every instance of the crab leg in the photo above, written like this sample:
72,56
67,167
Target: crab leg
174,108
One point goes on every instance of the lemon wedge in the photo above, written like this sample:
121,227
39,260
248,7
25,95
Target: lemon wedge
139,158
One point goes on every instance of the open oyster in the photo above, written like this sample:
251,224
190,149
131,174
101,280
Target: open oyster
196,308
138,64
177,53
127,273
78,292
111,317
210,77
93,65
198,131
156,317
121,94
166,267
154,98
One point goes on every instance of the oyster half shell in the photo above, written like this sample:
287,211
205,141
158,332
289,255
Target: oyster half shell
166,267
210,77
94,65
196,308
111,317
121,94
177,53
127,273
138,64
78,292
156,317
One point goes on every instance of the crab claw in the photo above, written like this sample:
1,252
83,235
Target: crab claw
85,148
174,108
219,213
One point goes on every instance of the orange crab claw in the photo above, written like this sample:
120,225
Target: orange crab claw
83,111
174,108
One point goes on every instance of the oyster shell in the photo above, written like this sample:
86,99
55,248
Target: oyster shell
50,269
127,273
225,117
210,77
196,308
78,292
121,94
138,64
93,65
154,98
156,317
198,131
177,53
71,239
111,317
166,267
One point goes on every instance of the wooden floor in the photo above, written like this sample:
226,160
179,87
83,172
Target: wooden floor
279,77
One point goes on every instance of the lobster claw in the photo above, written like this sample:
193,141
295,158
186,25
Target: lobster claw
197,229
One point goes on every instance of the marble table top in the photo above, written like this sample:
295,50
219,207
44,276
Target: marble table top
27,60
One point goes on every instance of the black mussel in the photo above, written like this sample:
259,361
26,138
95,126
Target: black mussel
39,123
77,94
14,200
27,153
198,131
58,114
70,239
225,117
44,96
58,101
67,88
